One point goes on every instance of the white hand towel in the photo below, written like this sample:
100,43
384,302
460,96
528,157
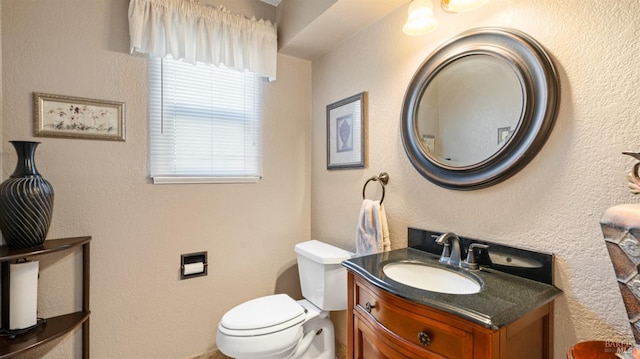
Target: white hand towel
386,241
372,235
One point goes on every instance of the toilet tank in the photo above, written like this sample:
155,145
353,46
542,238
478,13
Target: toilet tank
322,277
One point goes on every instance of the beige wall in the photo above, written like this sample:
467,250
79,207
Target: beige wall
555,203
294,15
140,308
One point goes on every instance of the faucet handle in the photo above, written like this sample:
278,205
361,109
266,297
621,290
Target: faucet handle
451,251
446,252
470,262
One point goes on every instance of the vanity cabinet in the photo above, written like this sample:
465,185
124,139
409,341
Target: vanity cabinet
55,327
383,325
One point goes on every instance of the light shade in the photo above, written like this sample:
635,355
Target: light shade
420,20
461,5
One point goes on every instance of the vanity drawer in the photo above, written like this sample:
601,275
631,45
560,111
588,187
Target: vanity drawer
418,332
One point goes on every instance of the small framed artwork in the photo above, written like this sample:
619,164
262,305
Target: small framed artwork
503,134
429,142
346,132
75,117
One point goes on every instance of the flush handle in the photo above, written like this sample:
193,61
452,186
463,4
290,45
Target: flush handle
424,339
369,306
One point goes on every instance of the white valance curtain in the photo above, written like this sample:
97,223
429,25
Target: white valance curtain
192,32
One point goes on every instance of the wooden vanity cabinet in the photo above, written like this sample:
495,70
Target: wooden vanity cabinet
382,325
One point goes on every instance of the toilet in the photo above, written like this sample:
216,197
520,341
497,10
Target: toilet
279,327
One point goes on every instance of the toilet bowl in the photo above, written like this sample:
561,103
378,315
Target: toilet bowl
279,327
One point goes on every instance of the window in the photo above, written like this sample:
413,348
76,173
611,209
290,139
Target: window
206,123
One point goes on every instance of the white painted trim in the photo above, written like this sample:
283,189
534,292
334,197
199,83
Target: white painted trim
202,180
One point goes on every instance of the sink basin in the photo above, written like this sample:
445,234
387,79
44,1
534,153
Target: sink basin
431,278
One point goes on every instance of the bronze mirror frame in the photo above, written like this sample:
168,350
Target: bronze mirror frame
541,91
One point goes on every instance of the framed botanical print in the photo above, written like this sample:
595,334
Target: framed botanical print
346,132
75,117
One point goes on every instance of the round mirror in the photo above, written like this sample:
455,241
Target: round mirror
479,108
492,88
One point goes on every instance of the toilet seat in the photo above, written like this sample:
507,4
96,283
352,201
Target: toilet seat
262,316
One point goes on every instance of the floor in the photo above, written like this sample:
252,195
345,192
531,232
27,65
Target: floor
341,353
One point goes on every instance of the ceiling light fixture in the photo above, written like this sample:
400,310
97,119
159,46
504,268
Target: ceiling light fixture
461,5
420,20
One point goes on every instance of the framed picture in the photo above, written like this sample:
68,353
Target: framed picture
503,134
75,117
429,142
346,132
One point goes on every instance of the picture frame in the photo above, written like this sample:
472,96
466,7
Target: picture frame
79,118
503,134
429,142
346,133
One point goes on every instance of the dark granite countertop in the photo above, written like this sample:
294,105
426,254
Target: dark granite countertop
503,298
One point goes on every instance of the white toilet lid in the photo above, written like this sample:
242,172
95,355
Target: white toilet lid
263,315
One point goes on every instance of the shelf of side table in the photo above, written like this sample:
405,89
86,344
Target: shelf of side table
55,327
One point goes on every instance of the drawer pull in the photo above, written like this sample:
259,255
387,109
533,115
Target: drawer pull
369,306
424,339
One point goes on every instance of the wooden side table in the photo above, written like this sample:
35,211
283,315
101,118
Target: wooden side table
55,327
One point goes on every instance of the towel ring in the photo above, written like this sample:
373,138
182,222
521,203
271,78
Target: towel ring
383,178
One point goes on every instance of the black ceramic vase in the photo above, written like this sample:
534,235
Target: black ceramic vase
26,201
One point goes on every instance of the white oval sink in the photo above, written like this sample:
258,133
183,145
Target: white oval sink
430,278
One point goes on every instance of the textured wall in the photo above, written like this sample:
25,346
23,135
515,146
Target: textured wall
555,203
140,308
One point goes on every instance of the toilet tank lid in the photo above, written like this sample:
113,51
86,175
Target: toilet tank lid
321,252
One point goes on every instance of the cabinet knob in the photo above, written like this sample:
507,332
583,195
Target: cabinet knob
369,306
424,339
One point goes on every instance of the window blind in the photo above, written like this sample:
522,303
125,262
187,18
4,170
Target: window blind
206,123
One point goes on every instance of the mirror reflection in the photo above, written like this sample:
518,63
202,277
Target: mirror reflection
479,108
469,110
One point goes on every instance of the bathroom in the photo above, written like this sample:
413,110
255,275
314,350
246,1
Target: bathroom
140,308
